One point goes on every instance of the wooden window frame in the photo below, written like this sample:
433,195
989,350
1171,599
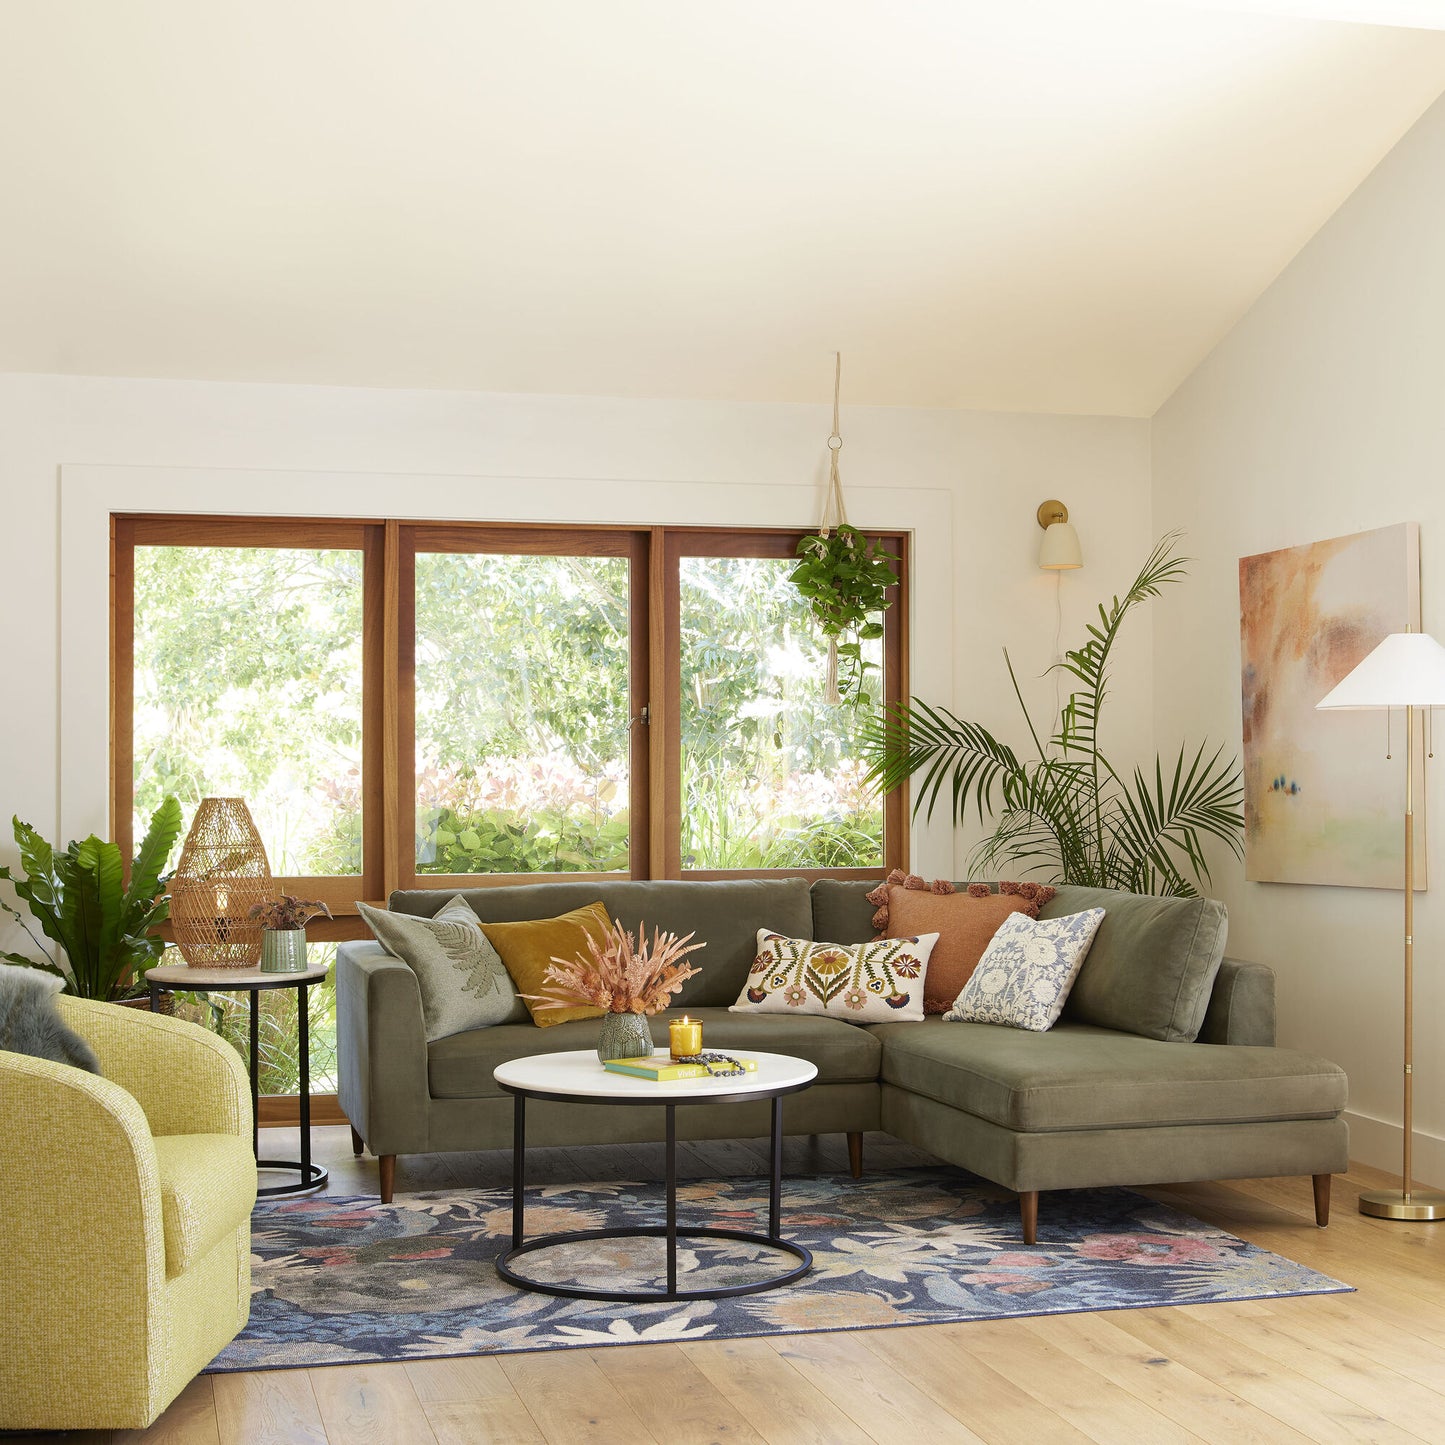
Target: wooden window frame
389,548
630,543
680,542
339,891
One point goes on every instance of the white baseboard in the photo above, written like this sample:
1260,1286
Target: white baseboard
1380,1143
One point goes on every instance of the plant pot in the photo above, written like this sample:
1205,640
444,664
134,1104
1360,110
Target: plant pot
283,950
624,1036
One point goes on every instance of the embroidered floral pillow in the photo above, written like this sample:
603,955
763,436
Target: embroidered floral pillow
865,983
1026,971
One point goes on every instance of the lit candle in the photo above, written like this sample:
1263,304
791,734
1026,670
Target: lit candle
685,1037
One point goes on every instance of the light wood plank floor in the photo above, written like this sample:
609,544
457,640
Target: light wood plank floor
1363,1367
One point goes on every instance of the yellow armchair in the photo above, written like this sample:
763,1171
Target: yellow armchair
125,1220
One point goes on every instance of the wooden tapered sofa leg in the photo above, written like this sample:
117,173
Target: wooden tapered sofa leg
388,1176
357,1142
1322,1198
1029,1214
855,1155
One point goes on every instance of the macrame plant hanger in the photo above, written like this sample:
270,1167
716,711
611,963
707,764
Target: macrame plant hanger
835,514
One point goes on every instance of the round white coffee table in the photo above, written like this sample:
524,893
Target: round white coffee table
577,1077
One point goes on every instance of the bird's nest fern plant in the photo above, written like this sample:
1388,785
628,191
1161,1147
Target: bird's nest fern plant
1067,811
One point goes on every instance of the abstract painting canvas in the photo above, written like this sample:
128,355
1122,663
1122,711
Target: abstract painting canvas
1322,804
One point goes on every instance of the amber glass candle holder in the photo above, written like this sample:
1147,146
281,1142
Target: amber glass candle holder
684,1037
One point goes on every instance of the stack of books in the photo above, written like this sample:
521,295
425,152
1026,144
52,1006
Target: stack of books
664,1070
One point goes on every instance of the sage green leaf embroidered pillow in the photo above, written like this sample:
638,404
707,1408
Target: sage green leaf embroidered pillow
865,983
463,982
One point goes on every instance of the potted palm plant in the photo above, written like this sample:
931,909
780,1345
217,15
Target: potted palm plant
1068,811
102,926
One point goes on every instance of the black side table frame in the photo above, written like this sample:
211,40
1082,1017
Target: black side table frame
668,1231
312,1176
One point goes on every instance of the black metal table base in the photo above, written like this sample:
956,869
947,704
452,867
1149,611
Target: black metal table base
668,1231
313,1176
657,1231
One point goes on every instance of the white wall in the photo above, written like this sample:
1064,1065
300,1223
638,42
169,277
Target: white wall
229,447
1323,413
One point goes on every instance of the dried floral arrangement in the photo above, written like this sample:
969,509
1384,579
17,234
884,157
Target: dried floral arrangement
623,975
288,913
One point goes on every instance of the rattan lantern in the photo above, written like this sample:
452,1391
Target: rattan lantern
221,875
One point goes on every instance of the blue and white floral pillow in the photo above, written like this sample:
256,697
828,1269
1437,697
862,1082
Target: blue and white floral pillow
1026,971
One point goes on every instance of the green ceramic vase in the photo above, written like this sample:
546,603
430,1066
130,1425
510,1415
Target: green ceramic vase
624,1036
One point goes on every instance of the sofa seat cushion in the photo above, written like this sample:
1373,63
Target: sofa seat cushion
208,1188
1078,1076
460,1067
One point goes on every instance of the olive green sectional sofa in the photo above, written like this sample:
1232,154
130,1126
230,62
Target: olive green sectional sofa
1163,1068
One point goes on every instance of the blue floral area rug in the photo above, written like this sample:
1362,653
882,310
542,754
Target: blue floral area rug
345,1281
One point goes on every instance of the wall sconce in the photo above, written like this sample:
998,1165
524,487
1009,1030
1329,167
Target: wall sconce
1059,551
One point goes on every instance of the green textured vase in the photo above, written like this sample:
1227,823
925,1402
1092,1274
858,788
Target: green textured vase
283,950
624,1036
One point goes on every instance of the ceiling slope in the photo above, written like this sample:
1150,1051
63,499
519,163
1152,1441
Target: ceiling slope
1023,206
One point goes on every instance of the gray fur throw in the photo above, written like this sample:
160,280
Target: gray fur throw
30,1024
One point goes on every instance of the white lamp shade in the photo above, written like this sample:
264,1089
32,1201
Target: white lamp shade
1406,670
1060,551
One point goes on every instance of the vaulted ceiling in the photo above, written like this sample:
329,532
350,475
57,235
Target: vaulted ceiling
1028,204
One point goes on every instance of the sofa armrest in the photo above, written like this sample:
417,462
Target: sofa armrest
187,1079
1241,1008
381,1052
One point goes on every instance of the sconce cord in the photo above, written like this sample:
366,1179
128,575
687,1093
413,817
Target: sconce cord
1058,635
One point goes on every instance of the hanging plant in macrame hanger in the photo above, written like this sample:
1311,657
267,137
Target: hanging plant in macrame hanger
845,579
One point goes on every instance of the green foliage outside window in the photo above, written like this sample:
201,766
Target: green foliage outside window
523,713
769,769
247,682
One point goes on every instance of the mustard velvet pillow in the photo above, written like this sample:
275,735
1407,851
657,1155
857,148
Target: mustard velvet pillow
527,951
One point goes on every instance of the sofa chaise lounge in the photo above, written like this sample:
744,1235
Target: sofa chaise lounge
1162,1070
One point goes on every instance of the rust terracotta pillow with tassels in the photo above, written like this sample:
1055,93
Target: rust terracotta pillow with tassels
964,922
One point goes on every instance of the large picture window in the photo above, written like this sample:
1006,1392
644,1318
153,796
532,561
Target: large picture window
436,705
765,774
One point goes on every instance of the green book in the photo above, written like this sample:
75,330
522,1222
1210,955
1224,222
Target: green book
663,1070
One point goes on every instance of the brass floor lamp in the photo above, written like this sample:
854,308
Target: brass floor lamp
1406,670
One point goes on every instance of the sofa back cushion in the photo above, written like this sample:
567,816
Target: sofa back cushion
1153,963
723,913
1150,971
842,912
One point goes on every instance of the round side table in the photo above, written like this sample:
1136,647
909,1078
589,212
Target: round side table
182,978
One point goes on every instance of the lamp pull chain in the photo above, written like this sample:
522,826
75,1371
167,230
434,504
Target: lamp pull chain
1388,753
